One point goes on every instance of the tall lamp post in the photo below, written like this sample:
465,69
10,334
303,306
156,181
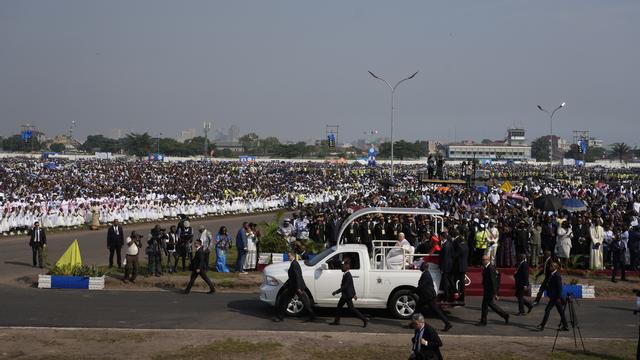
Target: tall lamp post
393,91
551,132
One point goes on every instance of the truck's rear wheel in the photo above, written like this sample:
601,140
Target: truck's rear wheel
403,304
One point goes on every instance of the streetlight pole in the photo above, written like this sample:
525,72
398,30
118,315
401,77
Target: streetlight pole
551,132
206,126
393,91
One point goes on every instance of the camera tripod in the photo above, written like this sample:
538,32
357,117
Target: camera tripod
573,319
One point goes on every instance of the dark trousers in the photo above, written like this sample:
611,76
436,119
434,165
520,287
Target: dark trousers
349,303
445,285
155,263
240,260
285,299
543,287
131,268
207,255
618,265
477,255
430,304
172,261
183,255
634,258
203,275
118,252
36,252
522,302
547,310
458,281
487,302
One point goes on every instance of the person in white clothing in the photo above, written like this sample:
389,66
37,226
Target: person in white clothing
398,257
597,238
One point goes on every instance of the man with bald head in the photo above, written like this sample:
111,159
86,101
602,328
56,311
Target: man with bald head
490,285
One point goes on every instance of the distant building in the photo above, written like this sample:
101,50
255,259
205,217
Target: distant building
513,147
233,146
234,133
596,143
186,135
115,134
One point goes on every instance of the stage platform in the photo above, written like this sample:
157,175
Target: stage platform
443,182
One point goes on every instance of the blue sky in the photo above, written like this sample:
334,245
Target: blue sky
288,68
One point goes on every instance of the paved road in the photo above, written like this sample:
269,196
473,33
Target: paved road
15,257
225,311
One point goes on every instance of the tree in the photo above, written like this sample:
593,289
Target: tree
138,144
101,143
15,143
620,151
402,149
249,142
269,145
57,147
540,149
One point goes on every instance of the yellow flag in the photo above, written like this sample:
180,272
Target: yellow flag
506,187
71,257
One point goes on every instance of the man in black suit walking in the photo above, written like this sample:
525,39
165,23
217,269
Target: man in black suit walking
490,285
522,283
460,264
426,342
554,291
427,297
295,286
37,241
347,293
446,265
115,241
546,271
198,268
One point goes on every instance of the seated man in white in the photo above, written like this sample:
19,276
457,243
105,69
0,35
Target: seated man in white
399,254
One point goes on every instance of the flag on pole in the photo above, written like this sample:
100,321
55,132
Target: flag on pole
71,258
506,187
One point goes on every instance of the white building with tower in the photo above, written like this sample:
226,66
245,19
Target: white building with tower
513,147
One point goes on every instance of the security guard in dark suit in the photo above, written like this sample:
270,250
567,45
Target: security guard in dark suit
554,291
347,293
198,268
460,264
490,285
522,283
427,297
546,271
295,286
37,241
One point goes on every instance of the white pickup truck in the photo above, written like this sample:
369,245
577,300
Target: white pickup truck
377,284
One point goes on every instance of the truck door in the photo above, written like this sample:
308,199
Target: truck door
328,281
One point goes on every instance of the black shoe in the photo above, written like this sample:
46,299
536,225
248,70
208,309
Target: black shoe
185,292
519,314
334,323
506,320
564,328
530,308
447,327
481,323
41,266
539,327
613,281
212,291
276,319
364,323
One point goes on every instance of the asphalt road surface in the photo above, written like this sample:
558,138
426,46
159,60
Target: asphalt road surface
15,257
228,311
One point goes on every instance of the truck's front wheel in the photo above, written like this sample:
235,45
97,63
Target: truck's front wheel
295,307
403,304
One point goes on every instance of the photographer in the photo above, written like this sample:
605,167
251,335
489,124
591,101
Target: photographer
185,236
154,252
134,244
170,247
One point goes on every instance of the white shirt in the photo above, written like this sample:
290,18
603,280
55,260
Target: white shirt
133,248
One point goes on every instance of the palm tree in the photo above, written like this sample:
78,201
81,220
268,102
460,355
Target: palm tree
621,150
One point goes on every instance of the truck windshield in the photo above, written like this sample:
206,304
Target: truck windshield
319,257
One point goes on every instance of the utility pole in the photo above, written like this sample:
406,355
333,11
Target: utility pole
206,126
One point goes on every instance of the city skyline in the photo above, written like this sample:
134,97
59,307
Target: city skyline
287,69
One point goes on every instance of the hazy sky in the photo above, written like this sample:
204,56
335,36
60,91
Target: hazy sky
288,68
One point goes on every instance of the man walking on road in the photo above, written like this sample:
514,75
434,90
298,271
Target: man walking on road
546,271
37,241
198,268
490,285
554,290
347,294
426,292
295,286
115,242
522,283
